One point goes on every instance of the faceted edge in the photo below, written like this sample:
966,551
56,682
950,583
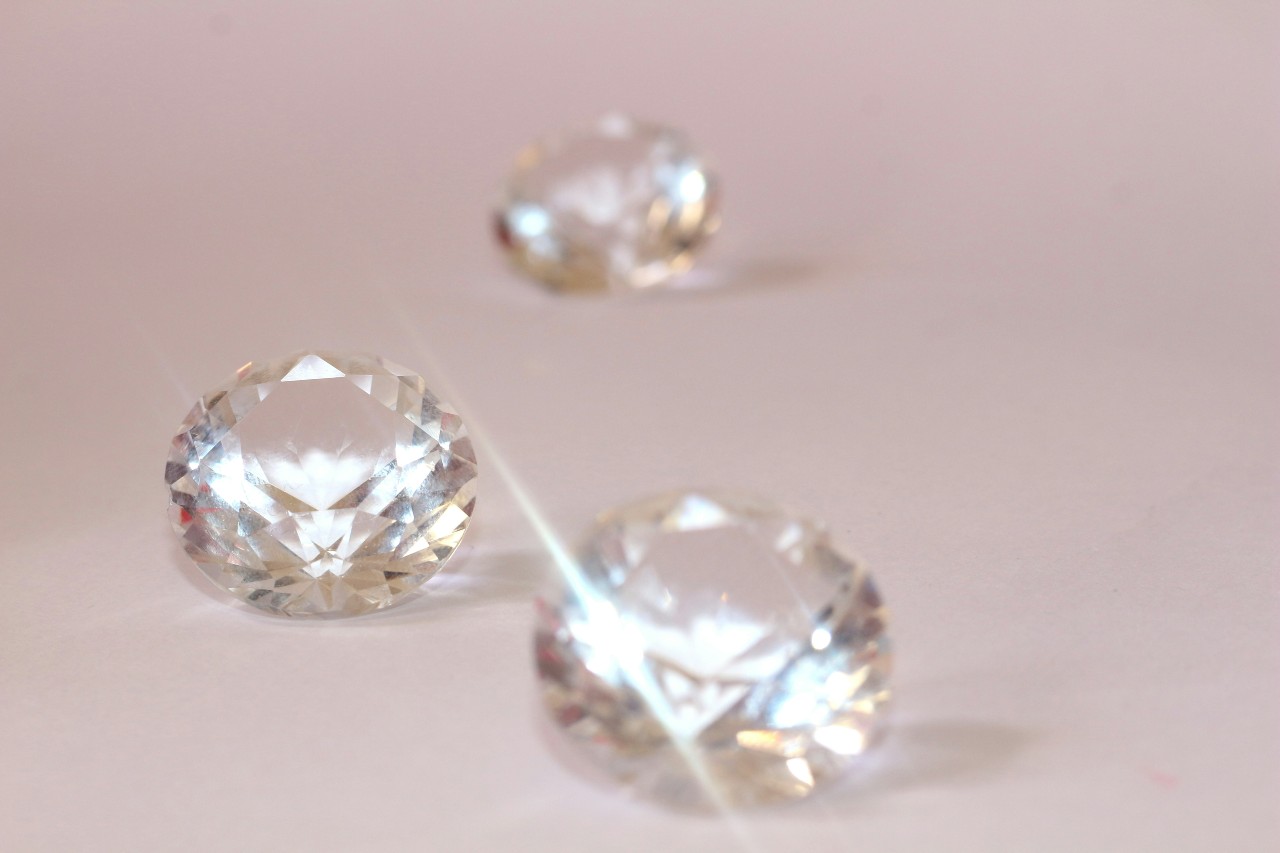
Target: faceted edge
859,617
190,445
582,273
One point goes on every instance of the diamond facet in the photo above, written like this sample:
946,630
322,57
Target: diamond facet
619,203
715,651
321,484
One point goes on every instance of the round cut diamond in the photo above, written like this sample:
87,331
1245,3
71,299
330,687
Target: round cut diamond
715,651
619,203
321,484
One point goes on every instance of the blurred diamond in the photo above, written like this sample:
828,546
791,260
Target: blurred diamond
715,651
321,484
619,203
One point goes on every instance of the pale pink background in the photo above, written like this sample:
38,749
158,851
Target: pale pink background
996,295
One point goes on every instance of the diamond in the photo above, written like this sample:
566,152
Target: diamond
321,484
715,651
619,203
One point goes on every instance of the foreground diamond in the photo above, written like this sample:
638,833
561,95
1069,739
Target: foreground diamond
321,484
617,204
715,651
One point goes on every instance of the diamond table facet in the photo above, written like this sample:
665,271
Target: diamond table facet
618,204
321,484
715,651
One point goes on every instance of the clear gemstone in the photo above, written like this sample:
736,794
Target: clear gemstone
715,651
619,203
321,484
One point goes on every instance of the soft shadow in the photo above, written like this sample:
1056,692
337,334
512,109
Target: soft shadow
713,279
752,274
473,577
926,754
908,756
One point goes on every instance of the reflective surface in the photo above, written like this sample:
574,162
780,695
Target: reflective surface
321,484
1029,373
617,203
715,651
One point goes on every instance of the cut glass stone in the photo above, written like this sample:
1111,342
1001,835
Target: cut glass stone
617,204
715,651
321,484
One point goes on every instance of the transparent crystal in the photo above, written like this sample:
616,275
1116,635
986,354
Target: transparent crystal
619,203
715,651
321,484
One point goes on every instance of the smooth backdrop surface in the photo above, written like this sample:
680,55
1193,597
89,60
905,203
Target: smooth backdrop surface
996,295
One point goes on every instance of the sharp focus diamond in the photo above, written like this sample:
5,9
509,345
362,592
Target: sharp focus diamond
321,484
715,651
619,204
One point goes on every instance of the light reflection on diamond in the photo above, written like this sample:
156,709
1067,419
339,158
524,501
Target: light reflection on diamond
321,484
715,651
616,204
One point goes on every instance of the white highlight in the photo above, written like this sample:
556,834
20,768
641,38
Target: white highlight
841,740
799,768
693,187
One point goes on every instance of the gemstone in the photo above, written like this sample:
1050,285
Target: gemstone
617,204
714,651
321,484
